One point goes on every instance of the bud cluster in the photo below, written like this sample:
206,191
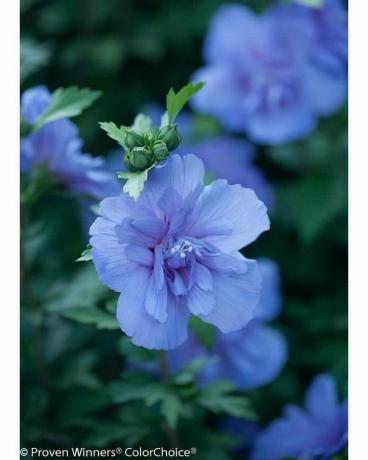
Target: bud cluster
144,150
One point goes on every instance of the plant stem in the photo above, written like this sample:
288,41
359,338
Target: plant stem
171,433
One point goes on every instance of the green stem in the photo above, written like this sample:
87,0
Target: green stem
171,433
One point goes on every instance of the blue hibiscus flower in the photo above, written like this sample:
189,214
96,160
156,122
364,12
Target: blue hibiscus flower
261,73
175,252
58,146
320,430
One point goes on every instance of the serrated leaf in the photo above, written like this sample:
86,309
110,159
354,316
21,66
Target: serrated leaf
118,134
86,255
83,290
66,103
135,182
101,319
176,101
236,406
142,123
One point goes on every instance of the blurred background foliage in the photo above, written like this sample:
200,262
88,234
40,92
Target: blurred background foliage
134,51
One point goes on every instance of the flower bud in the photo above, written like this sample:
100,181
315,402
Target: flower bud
138,159
160,150
133,139
169,134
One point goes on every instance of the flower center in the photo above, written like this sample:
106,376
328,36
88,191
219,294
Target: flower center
182,248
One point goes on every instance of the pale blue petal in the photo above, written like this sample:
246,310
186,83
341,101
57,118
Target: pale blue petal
321,398
236,298
251,357
233,208
183,174
199,301
269,305
144,330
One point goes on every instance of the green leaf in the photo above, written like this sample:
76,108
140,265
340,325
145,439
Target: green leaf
142,123
82,290
171,408
217,397
189,372
312,3
66,103
100,318
176,101
86,255
33,56
118,134
135,182
236,406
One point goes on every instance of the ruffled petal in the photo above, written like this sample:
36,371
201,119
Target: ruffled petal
200,301
108,253
183,174
228,216
144,330
156,298
236,297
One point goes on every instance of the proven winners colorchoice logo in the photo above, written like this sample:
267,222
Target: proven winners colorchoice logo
129,452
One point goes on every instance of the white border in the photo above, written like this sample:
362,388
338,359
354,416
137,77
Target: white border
9,227
358,230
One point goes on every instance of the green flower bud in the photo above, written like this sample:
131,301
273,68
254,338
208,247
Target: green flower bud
160,150
133,139
169,134
138,159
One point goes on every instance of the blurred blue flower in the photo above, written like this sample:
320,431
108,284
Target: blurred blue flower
260,72
251,357
269,305
113,163
331,34
320,430
231,158
174,252
58,146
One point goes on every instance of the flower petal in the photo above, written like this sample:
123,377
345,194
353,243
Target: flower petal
199,301
251,357
236,297
145,330
321,398
156,298
224,208
183,174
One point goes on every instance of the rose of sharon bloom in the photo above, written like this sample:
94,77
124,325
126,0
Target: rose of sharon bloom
175,252
58,146
251,357
318,431
261,76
